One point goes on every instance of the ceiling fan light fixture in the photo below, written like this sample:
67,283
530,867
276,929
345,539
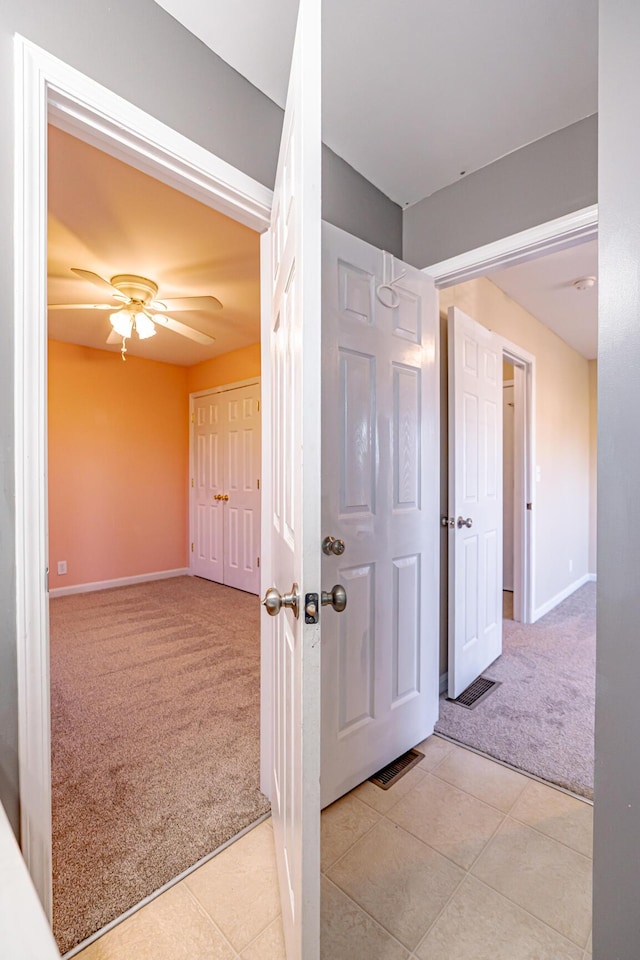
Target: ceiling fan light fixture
122,322
145,327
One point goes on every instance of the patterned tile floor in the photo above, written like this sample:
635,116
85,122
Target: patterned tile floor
463,859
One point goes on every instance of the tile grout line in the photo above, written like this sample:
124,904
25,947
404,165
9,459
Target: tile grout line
509,812
257,937
544,923
351,846
439,852
237,953
541,833
480,799
440,912
369,916
211,921
515,903
510,766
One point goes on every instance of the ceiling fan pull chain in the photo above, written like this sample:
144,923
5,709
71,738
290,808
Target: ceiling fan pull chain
124,349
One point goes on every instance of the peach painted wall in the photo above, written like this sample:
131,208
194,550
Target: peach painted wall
118,465
230,367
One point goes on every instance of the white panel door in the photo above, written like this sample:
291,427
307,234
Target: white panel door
475,499
242,472
380,482
208,536
291,331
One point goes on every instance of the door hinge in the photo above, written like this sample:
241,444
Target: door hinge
258,484
193,483
258,561
191,548
529,506
258,406
193,418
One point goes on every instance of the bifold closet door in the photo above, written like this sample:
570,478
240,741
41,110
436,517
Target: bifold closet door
241,511
207,558
226,528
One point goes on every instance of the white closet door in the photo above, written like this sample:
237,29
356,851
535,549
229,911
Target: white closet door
207,558
242,469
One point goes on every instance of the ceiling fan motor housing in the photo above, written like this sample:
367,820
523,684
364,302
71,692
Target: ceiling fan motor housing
138,289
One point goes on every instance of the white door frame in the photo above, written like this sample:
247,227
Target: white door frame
559,234
48,90
223,388
524,470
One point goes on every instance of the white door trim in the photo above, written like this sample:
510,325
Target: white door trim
507,252
524,457
223,388
46,89
519,247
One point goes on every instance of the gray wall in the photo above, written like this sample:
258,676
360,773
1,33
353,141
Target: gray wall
139,51
616,930
547,179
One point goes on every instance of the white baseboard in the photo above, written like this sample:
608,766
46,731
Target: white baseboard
592,577
559,597
444,682
120,582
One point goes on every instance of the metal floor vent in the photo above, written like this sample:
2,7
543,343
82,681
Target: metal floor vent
390,774
476,692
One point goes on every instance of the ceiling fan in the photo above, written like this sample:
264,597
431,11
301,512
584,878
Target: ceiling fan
137,308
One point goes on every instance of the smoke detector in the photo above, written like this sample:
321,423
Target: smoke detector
584,283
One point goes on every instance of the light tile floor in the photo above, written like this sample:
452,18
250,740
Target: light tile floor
462,860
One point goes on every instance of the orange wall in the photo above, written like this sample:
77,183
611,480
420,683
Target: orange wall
230,367
118,465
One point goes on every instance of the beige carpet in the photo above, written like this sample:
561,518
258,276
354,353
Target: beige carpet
541,718
155,760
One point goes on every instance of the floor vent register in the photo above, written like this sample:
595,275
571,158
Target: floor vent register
390,774
476,692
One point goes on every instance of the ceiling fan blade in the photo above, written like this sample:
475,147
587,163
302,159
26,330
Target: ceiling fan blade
186,303
162,320
114,337
99,282
82,306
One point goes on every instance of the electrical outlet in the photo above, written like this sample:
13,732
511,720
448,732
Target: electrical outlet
62,567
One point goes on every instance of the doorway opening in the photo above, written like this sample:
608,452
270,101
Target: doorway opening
540,719
141,796
76,106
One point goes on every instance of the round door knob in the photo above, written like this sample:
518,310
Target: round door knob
336,598
331,546
226,497
465,523
274,601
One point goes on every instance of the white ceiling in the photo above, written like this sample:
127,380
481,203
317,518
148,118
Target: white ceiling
545,288
107,217
416,92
